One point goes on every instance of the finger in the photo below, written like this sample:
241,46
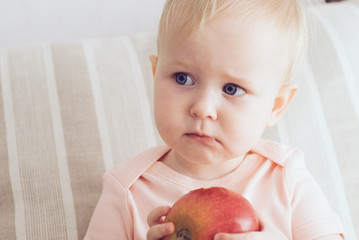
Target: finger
265,223
262,220
154,217
239,236
160,230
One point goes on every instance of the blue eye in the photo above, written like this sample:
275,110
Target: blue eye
183,79
233,89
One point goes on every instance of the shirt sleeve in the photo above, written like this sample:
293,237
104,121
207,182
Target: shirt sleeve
312,215
111,219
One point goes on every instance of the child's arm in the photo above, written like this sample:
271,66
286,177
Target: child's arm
159,229
111,219
331,237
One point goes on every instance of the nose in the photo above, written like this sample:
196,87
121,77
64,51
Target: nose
204,105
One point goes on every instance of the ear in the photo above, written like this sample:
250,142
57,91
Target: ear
154,61
282,101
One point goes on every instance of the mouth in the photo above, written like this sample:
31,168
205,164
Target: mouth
202,138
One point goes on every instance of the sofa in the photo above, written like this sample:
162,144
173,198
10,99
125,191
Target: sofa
71,110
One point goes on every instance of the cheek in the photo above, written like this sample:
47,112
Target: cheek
162,121
161,96
248,123
160,106
168,109
164,101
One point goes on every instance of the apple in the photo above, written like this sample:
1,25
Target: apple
202,213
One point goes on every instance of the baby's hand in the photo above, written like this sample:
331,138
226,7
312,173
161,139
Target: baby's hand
267,231
159,229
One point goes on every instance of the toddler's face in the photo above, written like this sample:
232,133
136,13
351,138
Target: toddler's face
215,90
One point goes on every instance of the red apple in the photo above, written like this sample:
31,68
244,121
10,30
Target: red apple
202,213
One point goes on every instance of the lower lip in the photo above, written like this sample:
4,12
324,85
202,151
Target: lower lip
202,139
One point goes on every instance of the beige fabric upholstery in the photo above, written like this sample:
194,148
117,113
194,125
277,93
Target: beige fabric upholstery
70,111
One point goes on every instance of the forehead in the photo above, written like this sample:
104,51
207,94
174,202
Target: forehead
181,17
244,51
223,37
227,24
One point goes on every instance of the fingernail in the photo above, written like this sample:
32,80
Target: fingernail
170,227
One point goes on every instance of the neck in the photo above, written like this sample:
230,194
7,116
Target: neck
201,171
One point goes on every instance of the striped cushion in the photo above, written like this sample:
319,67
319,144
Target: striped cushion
70,111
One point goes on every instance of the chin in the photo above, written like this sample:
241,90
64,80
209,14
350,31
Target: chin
200,156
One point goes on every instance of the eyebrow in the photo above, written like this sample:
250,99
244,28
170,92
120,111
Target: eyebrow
231,78
237,79
180,63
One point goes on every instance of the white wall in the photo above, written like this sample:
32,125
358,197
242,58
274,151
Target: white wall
34,21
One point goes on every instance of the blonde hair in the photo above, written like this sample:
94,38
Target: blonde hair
181,17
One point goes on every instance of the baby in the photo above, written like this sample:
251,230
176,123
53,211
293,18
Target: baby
222,75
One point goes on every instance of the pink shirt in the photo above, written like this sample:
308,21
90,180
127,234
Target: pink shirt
272,177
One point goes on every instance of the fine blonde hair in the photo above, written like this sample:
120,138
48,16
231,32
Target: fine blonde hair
181,17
